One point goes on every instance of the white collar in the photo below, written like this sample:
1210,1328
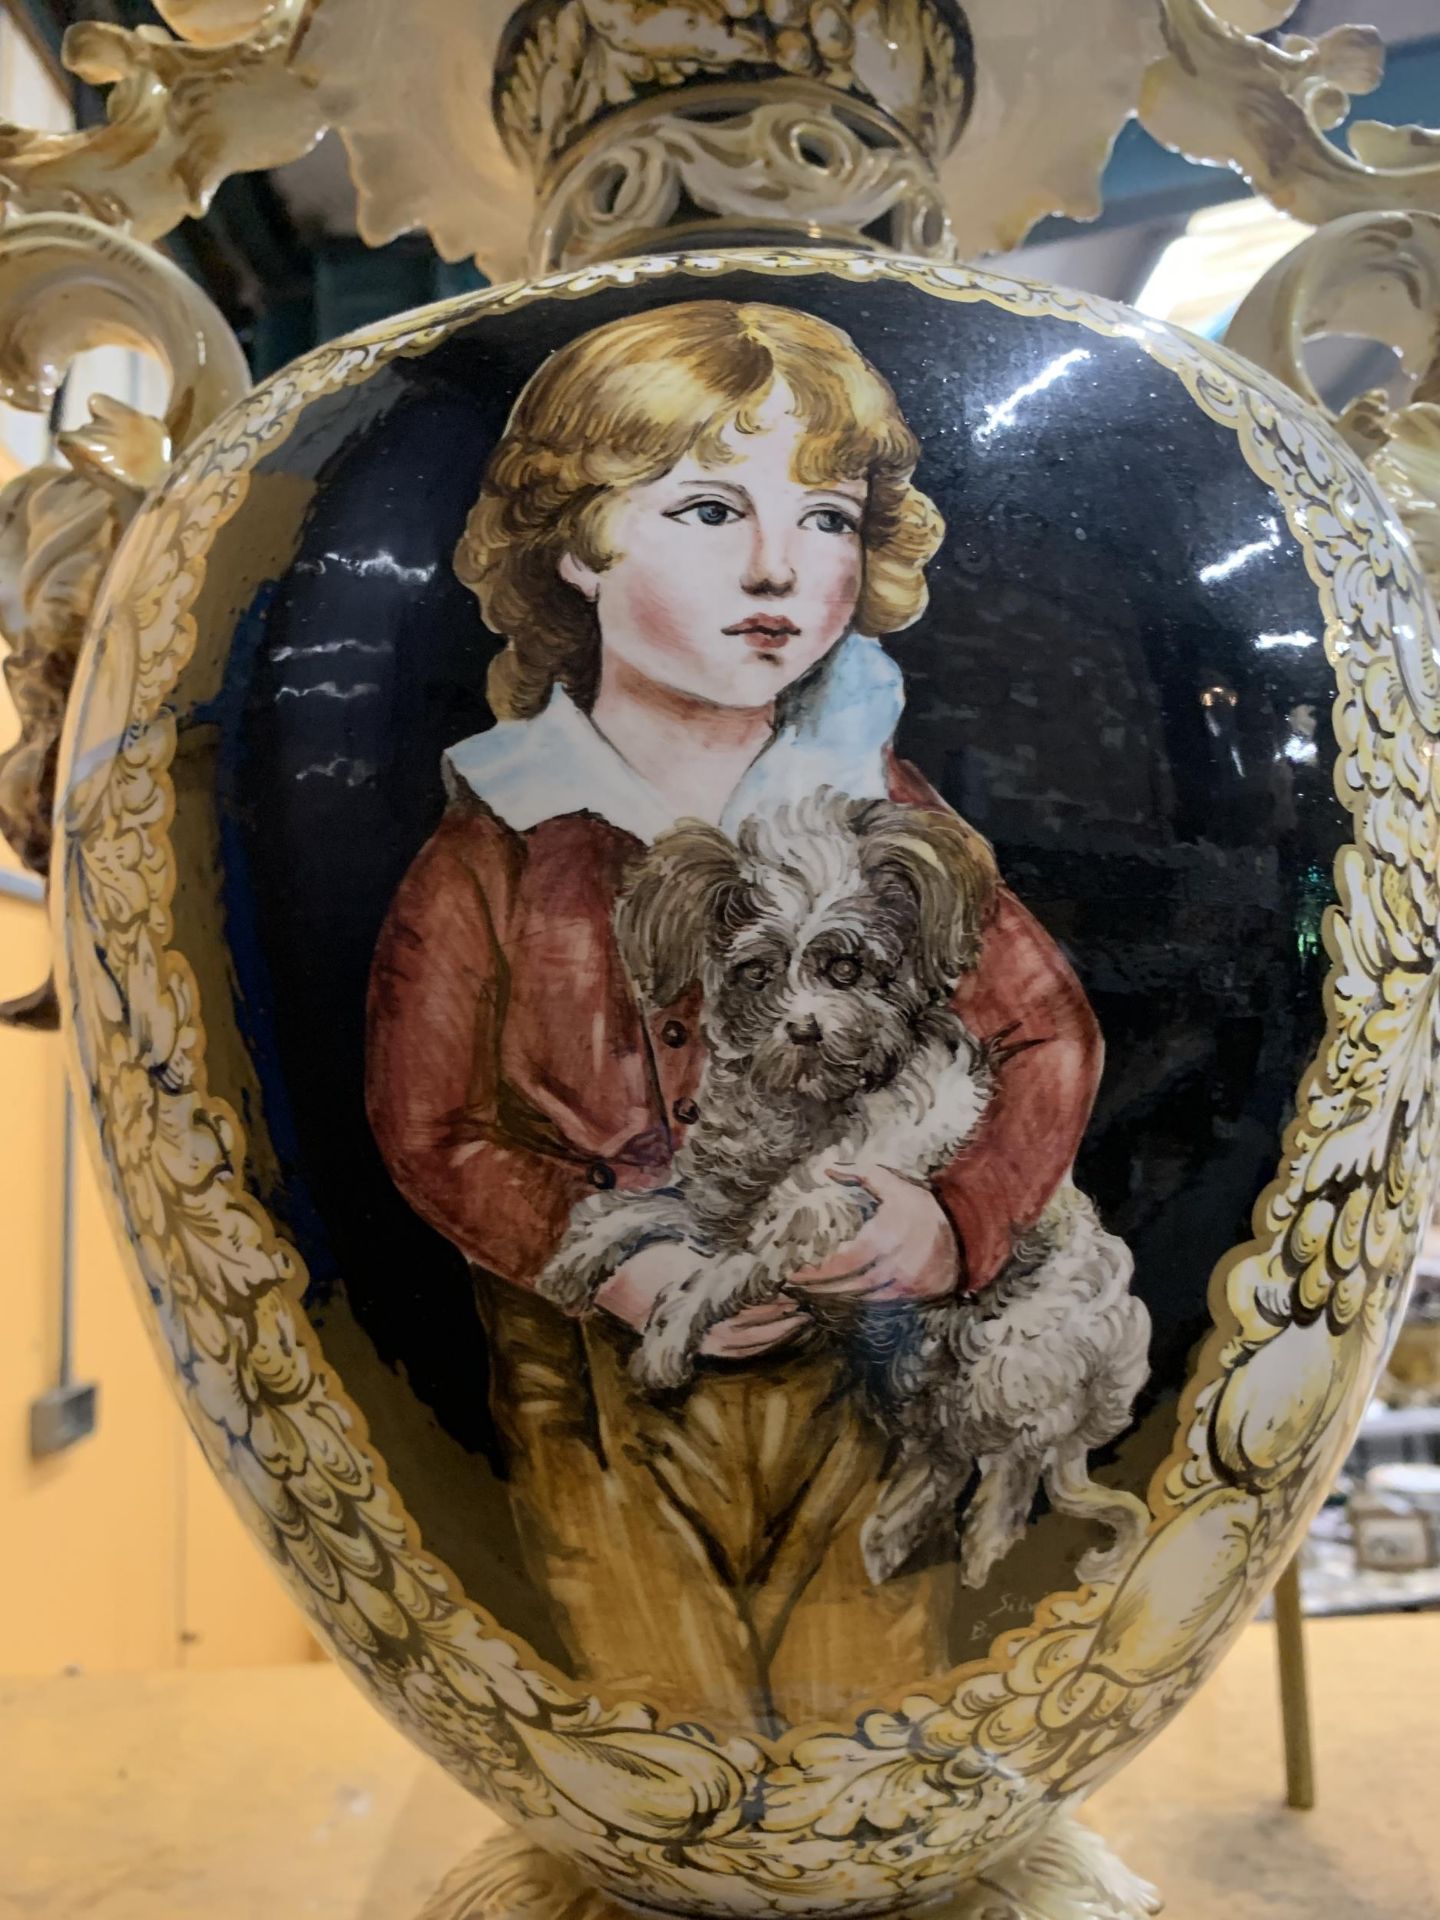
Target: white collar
835,733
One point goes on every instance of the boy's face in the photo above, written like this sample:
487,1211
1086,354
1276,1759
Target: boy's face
729,581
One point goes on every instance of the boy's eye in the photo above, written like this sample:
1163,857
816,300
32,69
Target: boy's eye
843,971
829,520
708,513
753,974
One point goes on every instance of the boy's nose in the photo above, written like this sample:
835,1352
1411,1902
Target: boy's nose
770,571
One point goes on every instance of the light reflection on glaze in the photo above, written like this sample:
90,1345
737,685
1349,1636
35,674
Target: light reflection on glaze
351,773
329,688
1232,563
1002,414
365,566
324,648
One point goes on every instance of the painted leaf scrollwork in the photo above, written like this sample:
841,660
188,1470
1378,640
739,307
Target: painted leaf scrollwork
1376,276
977,1771
66,285
1312,1307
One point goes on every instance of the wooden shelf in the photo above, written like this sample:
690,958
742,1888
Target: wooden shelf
1399,1423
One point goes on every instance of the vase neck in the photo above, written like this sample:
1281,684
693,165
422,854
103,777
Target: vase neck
645,129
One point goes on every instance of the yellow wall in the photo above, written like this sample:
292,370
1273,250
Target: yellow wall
121,1552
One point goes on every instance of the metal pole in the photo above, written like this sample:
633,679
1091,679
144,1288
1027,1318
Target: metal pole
1294,1690
67,1411
67,1244
28,887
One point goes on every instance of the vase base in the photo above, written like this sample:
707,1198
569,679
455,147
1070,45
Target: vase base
1065,1873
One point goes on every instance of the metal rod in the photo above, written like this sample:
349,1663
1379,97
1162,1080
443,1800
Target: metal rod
22,886
67,1411
1294,1690
67,1244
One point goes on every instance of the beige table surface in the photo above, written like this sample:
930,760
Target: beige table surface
279,1793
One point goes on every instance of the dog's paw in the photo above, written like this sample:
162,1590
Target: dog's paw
984,1543
841,1208
811,1227
566,1282
883,1549
666,1355
976,1566
660,1365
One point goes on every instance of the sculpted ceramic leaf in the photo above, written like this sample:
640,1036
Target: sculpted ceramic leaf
1253,16
1018,160
406,88
1268,107
403,88
209,23
1409,470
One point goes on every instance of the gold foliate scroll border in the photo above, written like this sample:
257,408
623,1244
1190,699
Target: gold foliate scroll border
864,1816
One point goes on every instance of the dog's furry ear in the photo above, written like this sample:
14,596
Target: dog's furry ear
675,900
948,869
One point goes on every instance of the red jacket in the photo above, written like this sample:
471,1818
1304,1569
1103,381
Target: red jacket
510,1069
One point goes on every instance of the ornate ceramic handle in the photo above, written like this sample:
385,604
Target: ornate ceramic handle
1376,275
68,284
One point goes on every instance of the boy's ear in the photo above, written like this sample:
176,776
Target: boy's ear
576,574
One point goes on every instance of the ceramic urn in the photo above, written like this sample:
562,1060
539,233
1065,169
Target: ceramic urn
749,932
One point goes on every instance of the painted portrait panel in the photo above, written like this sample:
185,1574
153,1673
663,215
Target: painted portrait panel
776,965
702,1017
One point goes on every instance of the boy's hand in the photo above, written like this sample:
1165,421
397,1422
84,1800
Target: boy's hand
906,1250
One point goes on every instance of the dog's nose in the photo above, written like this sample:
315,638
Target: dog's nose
804,1032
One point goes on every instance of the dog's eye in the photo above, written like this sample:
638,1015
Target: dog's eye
843,971
753,974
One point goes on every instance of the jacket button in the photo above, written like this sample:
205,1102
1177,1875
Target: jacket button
686,1112
674,1033
601,1176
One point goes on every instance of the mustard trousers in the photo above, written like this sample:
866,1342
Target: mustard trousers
701,1554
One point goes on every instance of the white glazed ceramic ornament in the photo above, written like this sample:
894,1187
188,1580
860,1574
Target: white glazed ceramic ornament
749,931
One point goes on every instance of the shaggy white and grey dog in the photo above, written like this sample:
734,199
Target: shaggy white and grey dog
827,940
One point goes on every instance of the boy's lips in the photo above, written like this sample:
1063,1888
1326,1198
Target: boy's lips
765,630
